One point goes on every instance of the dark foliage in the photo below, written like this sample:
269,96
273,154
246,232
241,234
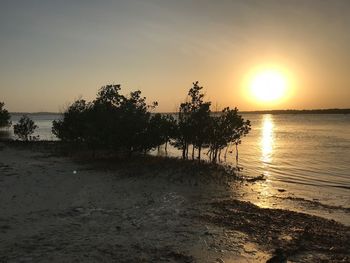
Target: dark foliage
73,128
161,129
4,116
226,128
25,128
112,121
200,128
124,123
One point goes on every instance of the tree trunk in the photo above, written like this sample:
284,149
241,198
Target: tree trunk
236,154
199,152
192,151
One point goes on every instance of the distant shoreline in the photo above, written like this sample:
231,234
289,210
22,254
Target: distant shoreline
276,112
315,111
35,113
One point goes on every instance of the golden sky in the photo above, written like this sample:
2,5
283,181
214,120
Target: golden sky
52,52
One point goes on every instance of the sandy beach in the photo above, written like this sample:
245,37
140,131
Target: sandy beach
67,209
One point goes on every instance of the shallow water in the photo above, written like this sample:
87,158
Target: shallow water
306,155
299,149
305,160
43,121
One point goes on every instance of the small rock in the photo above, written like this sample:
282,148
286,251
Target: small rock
281,190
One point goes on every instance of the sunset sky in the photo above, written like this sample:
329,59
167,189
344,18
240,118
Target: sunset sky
52,52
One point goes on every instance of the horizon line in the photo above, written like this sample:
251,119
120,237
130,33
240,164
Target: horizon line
321,110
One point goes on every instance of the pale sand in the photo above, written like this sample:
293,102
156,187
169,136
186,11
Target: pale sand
54,209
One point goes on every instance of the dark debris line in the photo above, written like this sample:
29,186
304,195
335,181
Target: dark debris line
286,234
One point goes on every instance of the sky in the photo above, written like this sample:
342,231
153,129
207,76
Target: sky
53,52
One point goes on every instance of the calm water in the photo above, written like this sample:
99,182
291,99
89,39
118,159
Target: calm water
305,158
300,149
43,121
307,155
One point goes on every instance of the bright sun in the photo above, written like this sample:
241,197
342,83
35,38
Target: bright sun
268,86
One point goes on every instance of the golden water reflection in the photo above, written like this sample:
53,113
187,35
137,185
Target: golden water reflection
267,139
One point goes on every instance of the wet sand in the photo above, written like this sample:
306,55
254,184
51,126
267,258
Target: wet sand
69,209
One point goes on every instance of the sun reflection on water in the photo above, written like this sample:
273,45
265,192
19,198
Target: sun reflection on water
267,139
264,188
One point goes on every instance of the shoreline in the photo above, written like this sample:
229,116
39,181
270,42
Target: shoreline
278,111
67,208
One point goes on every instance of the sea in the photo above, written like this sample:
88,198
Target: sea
304,160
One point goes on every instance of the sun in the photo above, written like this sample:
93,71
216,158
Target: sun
268,86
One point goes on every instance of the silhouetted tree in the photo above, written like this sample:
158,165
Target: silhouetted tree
153,136
168,128
193,123
134,117
226,128
109,95
72,128
160,130
112,121
24,128
4,116
241,131
183,130
199,118
104,119
124,123
197,126
201,127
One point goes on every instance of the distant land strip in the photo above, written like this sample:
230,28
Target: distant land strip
35,113
314,111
